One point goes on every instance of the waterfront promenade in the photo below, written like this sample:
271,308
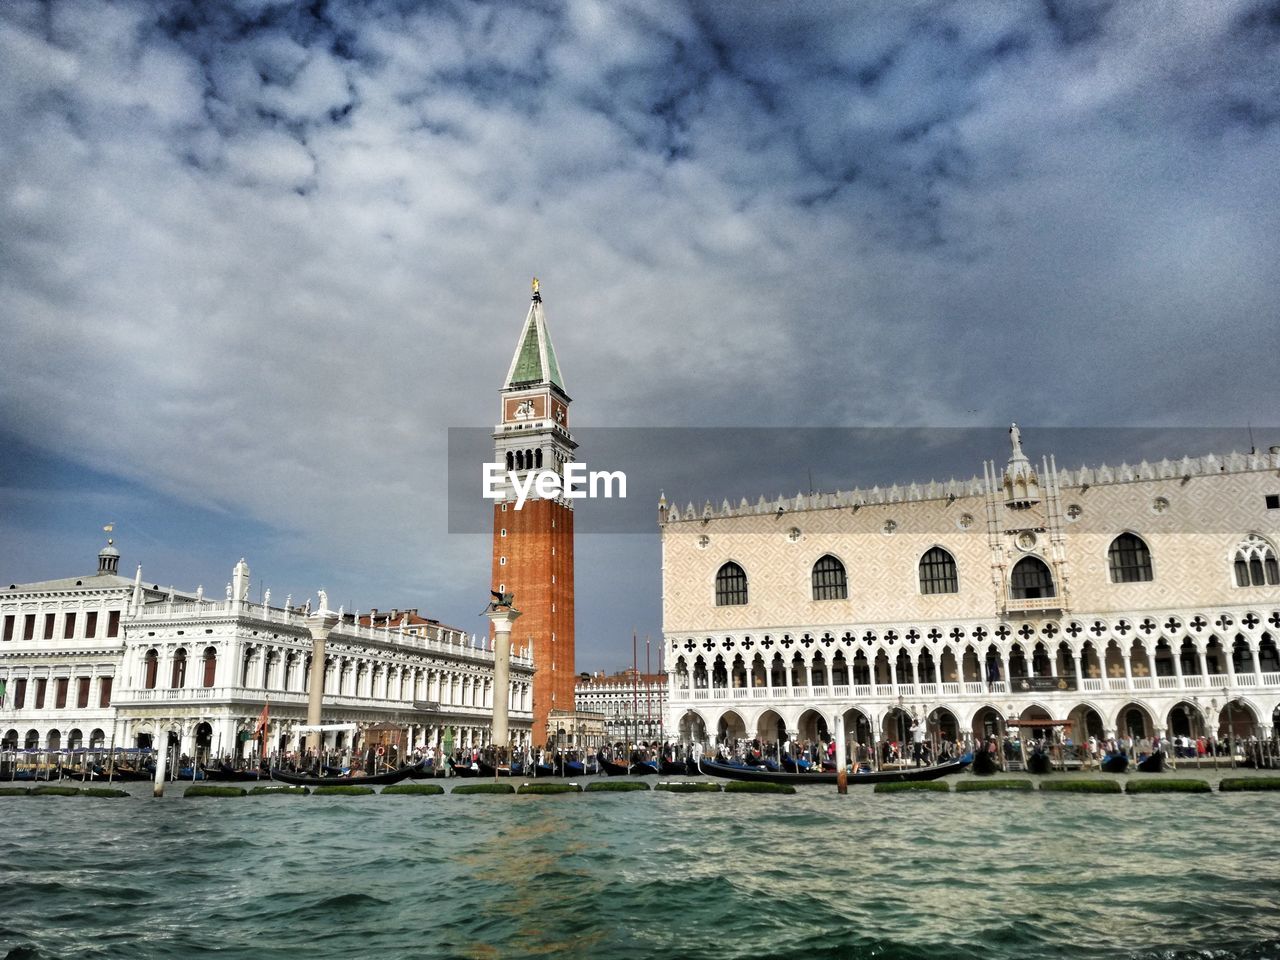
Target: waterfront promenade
644,875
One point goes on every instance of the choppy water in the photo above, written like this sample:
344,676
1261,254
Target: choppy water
643,875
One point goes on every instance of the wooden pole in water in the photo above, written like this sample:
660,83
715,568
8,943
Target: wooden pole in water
162,768
842,775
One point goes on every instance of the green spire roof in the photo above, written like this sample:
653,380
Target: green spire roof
535,358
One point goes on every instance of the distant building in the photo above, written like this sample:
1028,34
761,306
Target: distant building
101,659
1139,599
632,703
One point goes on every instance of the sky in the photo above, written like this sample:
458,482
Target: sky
257,258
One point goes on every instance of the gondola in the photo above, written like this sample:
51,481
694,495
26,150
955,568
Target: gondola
643,768
1153,763
758,775
984,763
1038,762
678,768
128,775
488,770
373,779
1115,763
229,775
463,770
612,767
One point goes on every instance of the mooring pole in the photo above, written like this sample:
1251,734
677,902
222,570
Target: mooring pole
842,775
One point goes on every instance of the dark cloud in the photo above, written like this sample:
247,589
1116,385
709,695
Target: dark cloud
260,255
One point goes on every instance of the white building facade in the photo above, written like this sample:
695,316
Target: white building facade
102,660
1139,599
633,704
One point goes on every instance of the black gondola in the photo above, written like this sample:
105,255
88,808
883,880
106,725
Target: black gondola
463,769
1115,763
490,771
760,775
612,767
1153,763
676,768
1038,762
984,763
375,779
643,768
230,775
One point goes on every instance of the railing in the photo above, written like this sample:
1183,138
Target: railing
1041,603
972,688
284,698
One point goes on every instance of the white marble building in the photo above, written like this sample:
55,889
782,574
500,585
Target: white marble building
633,704
1139,598
100,659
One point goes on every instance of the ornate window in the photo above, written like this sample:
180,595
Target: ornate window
210,660
178,672
1130,559
938,572
150,665
1255,563
731,586
1031,580
829,580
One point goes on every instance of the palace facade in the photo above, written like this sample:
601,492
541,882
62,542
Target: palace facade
102,660
1139,599
632,703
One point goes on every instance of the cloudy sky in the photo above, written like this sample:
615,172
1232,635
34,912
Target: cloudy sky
256,258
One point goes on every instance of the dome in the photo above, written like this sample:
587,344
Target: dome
108,558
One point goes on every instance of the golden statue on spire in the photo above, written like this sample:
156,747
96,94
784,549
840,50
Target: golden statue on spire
535,284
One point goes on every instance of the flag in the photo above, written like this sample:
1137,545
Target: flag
260,731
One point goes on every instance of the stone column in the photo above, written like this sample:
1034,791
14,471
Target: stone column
501,615
319,624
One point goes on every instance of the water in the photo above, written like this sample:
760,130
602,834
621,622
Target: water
815,875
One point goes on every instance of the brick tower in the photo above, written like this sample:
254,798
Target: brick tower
533,546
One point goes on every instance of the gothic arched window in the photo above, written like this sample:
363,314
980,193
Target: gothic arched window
1255,563
829,580
938,572
1130,559
1031,580
731,586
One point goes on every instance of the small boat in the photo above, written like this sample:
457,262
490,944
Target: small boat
1153,763
1038,762
673,768
612,767
577,768
461,770
373,779
758,775
984,763
489,770
231,775
643,768
1115,763
129,775
190,774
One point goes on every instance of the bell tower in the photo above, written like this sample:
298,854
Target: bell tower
533,545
